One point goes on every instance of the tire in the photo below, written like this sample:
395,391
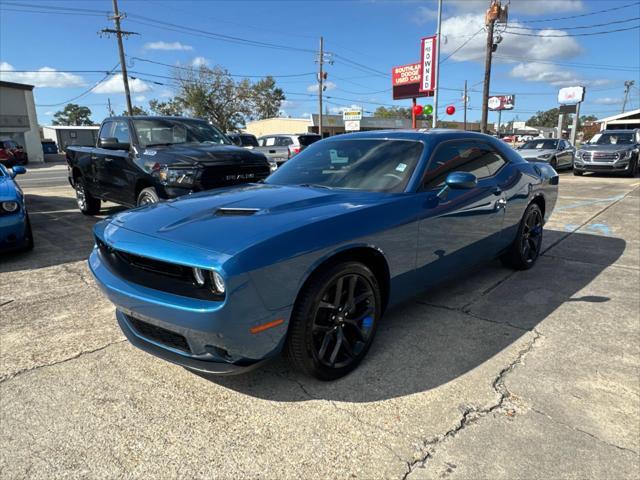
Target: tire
331,333
87,204
578,173
554,163
147,196
633,163
525,249
29,234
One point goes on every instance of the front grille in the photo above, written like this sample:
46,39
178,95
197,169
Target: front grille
155,274
600,157
227,175
159,335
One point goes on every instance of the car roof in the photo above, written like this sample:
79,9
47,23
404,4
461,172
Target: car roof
438,134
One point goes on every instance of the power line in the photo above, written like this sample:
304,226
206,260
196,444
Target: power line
581,15
48,12
85,92
56,7
576,28
461,46
604,32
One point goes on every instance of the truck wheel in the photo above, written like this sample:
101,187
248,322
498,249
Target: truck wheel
577,173
633,167
147,196
87,204
29,236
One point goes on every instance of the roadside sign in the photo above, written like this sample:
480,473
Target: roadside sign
570,95
352,114
568,108
428,64
502,102
405,82
351,125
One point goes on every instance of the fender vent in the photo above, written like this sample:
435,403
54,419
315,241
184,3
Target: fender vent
235,212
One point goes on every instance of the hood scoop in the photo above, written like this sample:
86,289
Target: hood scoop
236,212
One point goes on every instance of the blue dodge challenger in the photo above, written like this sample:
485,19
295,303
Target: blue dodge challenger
15,229
307,261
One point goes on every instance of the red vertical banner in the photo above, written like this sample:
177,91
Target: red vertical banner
428,64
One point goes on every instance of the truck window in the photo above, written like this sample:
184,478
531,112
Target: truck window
105,130
121,131
269,141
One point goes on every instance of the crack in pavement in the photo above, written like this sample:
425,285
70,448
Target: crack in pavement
471,414
6,303
576,429
11,376
465,311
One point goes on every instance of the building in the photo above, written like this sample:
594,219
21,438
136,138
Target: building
18,120
624,120
269,126
65,135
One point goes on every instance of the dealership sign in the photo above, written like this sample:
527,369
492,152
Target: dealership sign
502,102
352,114
428,64
405,82
351,125
570,95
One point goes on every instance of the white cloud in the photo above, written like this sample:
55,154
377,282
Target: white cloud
608,101
166,94
44,77
527,7
114,85
140,98
553,74
314,87
199,62
50,112
342,109
424,15
167,46
460,29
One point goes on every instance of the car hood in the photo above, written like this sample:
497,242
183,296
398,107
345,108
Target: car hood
607,148
230,220
7,189
193,153
535,152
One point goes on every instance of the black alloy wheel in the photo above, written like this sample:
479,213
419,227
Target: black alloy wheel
526,248
334,321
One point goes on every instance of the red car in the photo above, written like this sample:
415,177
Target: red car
12,154
508,139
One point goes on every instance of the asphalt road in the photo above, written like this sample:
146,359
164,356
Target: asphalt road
45,176
501,374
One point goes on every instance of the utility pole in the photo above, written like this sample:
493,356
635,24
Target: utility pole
627,86
320,84
464,99
119,33
434,118
109,107
494,13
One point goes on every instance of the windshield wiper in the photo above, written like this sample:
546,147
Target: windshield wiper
314,185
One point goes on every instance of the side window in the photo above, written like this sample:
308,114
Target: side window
121,131
464,156
283,141
105,130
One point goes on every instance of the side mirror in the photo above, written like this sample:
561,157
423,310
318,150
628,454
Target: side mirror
18,170
112,143
461,180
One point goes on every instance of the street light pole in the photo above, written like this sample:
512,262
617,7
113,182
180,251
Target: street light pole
320,85
434,118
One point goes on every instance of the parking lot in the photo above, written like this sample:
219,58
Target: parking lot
502,374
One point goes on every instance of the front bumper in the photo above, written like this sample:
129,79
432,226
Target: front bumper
13,228
592,166
215,335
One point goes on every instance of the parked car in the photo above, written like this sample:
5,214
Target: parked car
282,147
245,140
12,154
15,228
614,151
556,152
307,261
141,160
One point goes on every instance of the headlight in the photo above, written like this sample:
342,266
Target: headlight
273,166
625,154
545,156
10,206
177,177
579,153
211,279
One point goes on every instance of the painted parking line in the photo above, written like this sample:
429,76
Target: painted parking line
590,202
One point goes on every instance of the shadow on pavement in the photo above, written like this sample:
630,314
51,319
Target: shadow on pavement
61,233
420,346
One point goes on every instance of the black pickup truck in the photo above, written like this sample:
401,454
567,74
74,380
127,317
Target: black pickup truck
140,160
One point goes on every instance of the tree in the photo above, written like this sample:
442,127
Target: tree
171,108
266,99
135,110
73,114
213,94
549,118
392,112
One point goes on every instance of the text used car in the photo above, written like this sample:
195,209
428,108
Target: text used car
307,261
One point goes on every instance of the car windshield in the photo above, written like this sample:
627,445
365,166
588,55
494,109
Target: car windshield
621,138
540,145
306,140
164,131
360,164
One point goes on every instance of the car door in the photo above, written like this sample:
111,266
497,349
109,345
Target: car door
460,227
569,152
117,166
97,174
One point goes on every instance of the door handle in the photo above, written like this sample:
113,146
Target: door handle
272,151
94,157
108,159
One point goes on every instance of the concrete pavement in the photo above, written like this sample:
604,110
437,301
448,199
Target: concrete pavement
501,375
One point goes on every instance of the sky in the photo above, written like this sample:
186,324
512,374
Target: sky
57,46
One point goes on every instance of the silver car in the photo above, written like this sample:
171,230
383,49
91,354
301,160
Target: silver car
281,147
556,152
